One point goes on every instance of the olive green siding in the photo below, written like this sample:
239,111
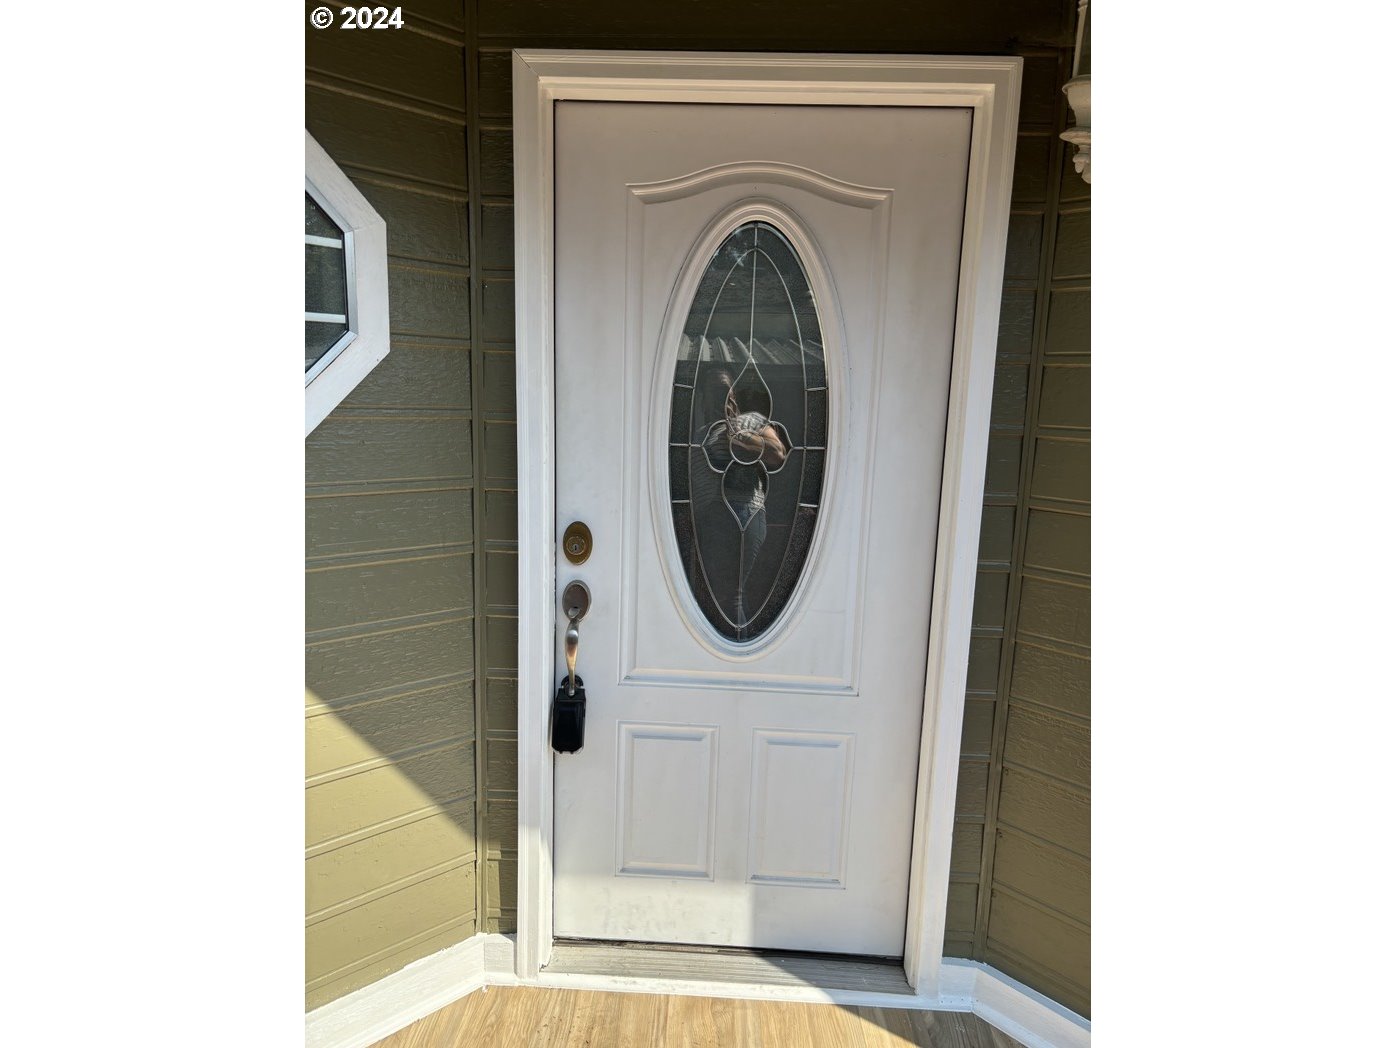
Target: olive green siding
391,565
411,526
1020,895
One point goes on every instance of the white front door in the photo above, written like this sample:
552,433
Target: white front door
754,316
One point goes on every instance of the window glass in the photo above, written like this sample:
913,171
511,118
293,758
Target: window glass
748,417
327,295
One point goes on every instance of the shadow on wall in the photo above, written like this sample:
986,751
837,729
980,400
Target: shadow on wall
390,840
367,763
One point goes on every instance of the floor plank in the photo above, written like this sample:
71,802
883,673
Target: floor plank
947,1030
584,1020
642,1015
888,1028
478,1022
724,1019
782,1022
557,1020
747,1023
690,1023
603,1016
546,1017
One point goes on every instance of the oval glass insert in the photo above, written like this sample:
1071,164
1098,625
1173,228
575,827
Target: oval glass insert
748,418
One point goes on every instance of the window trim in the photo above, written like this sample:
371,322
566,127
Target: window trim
358,351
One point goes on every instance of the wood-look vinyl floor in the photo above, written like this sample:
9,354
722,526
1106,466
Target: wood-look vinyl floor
537,1017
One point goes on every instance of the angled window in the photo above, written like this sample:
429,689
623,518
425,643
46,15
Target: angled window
346,285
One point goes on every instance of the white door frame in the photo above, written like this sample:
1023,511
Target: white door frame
990,88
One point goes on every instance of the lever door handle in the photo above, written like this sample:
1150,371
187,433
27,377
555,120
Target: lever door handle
577,598
569,712
570,641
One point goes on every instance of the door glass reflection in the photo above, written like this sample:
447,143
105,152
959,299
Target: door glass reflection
748,418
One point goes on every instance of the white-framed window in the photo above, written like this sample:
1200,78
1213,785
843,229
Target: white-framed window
346,285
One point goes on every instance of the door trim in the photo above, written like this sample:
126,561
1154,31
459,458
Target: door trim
990,87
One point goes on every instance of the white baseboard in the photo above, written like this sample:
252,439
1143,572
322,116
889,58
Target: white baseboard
499,960
360,1018
368,1015
1020,1011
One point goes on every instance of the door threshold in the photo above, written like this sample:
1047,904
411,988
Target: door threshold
726,966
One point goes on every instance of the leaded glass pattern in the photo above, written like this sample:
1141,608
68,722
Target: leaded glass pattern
748,420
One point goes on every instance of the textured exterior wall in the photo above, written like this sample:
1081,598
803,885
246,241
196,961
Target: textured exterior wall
391,559
1021,874
418,116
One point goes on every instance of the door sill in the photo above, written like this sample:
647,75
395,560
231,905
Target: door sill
719,966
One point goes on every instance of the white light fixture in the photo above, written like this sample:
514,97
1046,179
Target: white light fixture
1078,92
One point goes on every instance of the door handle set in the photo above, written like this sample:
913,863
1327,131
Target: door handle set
569,713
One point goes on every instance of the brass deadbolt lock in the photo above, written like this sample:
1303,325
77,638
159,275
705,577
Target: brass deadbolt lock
577,542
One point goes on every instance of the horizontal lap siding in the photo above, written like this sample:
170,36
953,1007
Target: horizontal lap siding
494,219
391,854
1032,910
